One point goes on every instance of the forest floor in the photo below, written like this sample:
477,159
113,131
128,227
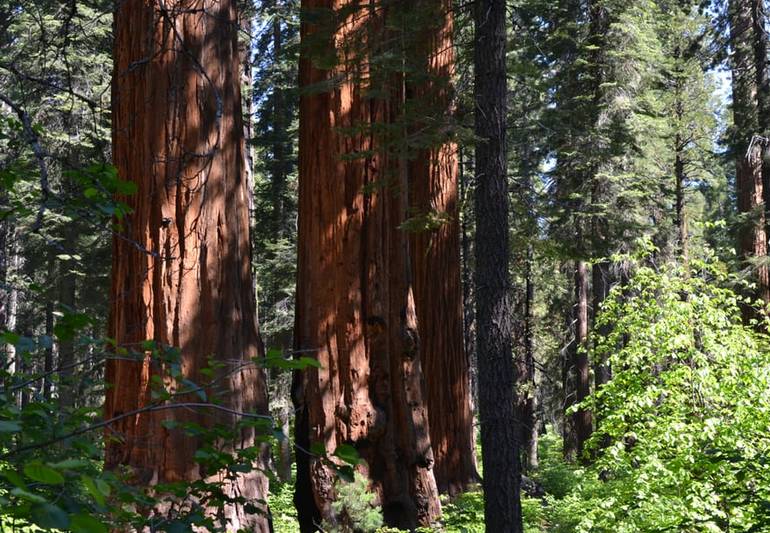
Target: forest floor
465,513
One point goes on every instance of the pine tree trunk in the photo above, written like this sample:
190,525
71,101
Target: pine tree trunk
746,114
355,306
581,419
67,297
531,420
48,362
679,176
762,79
469,306
600,284
433,175
497,378
14,266
181,270
279,172
6,239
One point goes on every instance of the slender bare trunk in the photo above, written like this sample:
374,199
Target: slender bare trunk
580,364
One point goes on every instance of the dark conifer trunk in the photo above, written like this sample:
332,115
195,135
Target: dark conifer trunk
530,418
680,178
581,419
762,77
497,376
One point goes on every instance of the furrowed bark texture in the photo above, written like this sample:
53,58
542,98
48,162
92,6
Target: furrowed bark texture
529,402
497,378
582,417
752,238
760,41
181,273
436,256
355,307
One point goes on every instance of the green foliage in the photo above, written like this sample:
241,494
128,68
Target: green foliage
51,458
556,477
683,441
354,508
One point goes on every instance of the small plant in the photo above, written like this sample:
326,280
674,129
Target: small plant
355,509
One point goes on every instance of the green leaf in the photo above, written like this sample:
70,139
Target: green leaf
49,516
103,487
305,362
90,485
82,523
348,454
90,193
43,473
69,464
27,495
10,337
14,478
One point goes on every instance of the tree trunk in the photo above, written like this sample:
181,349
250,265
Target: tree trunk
497,376
6,243
247,83
12,315
582,417
749,181
279,172
181,272
48,362
530,419
67,298
355,307
435,256
469,307
600,274
762,80
679,176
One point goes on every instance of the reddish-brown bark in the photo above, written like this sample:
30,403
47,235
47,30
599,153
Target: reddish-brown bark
749,87
355,308
181,273
433,179
581,419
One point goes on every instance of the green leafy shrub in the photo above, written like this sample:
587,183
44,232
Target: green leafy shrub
354,508
683,441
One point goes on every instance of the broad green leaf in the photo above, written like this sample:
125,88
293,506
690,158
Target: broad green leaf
347,453
43,473
49,516
82,523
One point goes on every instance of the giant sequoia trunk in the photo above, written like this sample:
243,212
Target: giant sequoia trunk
497,377
746,66
355,307
181,273
433,176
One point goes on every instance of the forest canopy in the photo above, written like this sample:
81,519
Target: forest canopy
343,266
